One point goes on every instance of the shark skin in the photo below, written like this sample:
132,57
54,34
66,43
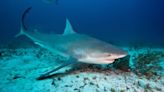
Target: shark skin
74,46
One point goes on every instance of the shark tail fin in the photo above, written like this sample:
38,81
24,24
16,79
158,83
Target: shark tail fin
23,27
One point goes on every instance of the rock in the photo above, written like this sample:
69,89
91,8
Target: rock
142,83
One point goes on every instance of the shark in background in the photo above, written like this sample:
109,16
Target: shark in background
73,46
51,1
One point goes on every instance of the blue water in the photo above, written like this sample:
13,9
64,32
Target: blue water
124,22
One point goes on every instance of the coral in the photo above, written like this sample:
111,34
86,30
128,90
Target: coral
148,63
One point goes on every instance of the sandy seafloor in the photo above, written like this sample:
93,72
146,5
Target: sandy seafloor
19,69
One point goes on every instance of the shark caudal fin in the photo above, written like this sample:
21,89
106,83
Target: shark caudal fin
23,27
68,28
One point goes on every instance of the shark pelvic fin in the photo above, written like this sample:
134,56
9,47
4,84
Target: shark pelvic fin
68,28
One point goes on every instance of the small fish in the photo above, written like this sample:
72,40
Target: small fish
74,46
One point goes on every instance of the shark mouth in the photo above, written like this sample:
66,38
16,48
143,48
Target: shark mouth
97,60
100,58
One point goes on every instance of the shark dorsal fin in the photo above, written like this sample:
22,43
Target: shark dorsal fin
68,28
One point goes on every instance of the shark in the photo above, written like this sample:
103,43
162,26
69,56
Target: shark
51,1
77,48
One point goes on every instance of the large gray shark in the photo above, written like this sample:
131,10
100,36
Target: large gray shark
74,46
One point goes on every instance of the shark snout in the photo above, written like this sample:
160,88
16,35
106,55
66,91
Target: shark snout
114,56
120,55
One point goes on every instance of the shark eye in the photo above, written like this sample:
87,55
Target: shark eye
109,54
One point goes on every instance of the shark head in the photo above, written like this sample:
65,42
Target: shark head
102,57
99,55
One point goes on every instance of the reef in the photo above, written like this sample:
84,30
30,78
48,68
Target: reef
141,71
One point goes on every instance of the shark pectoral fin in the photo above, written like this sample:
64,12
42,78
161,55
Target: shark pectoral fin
46,75
68,28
